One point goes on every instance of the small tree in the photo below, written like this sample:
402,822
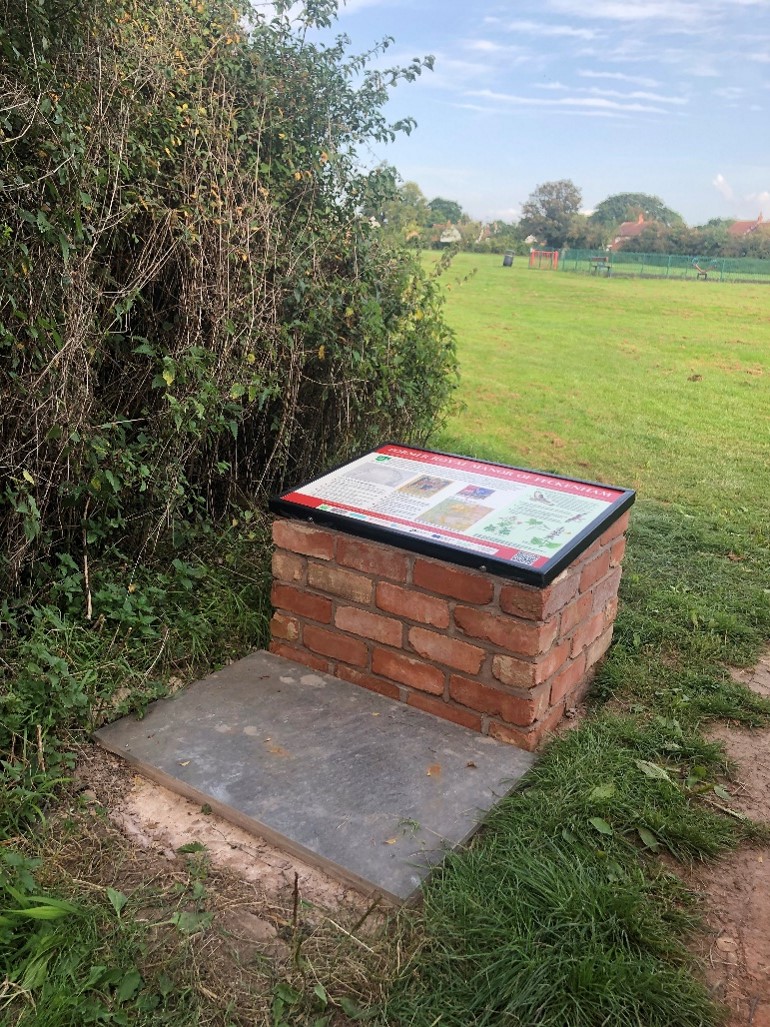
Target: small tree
628,206
445,210
549,211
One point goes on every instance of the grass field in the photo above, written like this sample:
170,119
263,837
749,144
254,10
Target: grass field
561,913
663,386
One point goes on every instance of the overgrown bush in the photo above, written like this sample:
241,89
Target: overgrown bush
192,308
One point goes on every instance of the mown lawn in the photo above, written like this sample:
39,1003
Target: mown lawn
660,385
562,913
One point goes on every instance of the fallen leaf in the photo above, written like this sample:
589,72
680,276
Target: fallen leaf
727,944
470,763
184,763
391,841
434,770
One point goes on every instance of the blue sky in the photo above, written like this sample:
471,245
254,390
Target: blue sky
669,97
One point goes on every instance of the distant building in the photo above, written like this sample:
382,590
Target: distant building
740,228
629,230
450,236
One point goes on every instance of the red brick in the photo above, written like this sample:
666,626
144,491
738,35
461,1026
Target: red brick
369,625
523,601
552,662
296,600
470,586
528,739
448,711
576,612
288,566
335,645
299,655
593,550
301,538
594,570
377,560
412,605
517,636
340,582
561,591
587,633
449,651
520,603
550,720
513,709
284,627
408,671
606,590
567,680
617,549
611,611
511,671
523,739
359,677
598,648
618,528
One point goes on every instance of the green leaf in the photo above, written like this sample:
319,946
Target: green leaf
722,792
653,770
321,994
351,1008
117,899
600,825
190,923
129,986
165,985
603,791
192,847
287,994
648,839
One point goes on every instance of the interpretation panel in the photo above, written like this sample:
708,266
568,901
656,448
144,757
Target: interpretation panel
518,523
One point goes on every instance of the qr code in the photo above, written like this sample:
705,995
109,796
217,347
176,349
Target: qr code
528,559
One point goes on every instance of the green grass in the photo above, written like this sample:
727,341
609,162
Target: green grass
561,912
593,377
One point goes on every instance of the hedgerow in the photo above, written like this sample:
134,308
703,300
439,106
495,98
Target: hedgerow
193,309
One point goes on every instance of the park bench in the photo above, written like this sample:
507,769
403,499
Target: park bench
600,264
702,272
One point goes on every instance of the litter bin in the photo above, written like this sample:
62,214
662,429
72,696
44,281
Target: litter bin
508,260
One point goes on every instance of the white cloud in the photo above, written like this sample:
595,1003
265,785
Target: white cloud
620,76
488,46
729,92
546,30
678,13
578,102
638,95
722,186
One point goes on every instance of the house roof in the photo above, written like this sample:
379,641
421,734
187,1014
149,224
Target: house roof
738,228
629,230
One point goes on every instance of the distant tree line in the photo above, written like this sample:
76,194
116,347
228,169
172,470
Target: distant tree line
551,217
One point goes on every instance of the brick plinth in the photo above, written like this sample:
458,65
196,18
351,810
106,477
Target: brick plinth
497,656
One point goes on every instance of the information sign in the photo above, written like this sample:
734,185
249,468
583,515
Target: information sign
518,523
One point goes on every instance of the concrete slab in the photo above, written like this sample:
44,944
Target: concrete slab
371,790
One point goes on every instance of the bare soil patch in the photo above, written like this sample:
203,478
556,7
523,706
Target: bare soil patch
267,918
736,889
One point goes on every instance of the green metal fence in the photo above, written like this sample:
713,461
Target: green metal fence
665,265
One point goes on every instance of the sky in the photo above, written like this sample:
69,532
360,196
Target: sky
668,97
